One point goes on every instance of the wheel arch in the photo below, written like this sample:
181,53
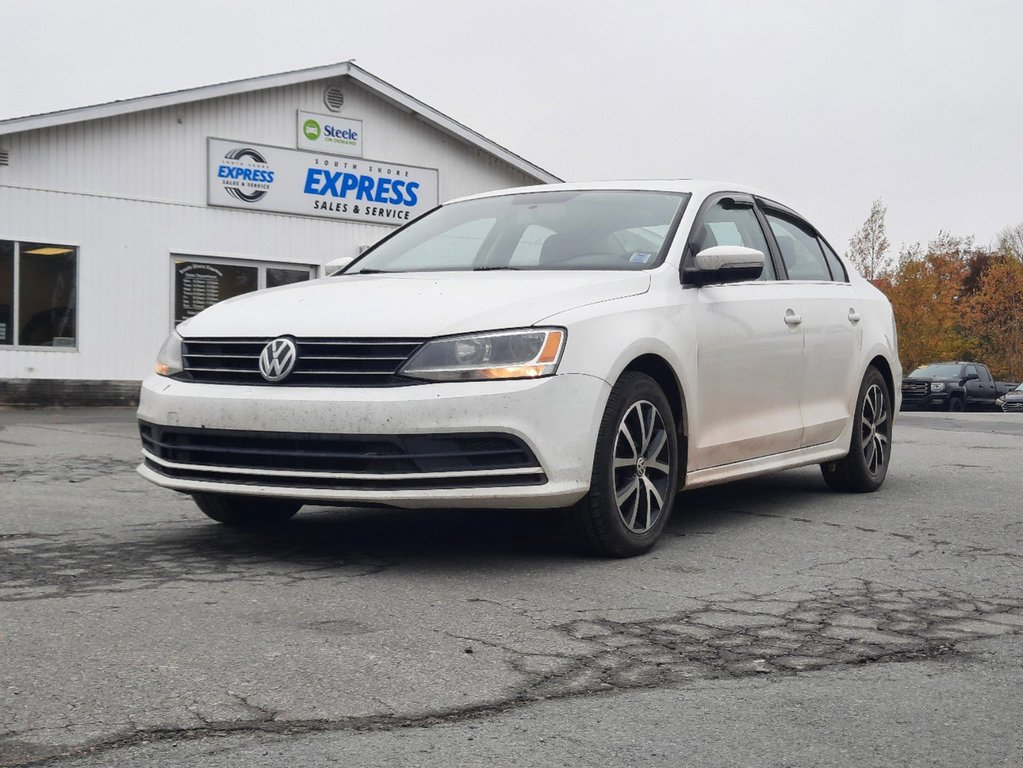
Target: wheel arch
660,370
885,369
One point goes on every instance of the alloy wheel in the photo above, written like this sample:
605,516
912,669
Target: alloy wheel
875,429
642,466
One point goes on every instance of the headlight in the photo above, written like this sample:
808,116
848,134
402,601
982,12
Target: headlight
521,354
937,386
168,361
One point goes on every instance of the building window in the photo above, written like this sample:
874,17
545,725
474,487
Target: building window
201,282
38,291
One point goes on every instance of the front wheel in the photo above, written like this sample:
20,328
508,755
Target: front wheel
245,511
635,471
956,404
864,468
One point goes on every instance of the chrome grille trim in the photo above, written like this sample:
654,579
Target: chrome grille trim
342,475
341,362
915,387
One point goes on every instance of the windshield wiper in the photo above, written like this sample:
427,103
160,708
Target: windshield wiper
374,272
495,269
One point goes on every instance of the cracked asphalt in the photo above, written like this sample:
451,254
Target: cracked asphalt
778,624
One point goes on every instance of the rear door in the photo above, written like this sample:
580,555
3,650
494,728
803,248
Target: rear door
829,313
981,390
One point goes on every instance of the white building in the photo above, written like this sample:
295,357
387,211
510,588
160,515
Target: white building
121,219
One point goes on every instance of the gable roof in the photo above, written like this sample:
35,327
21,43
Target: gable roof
371,82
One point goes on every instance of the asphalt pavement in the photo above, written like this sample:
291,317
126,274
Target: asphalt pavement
777,624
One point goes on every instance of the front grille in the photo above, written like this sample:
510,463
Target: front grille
309,460
915,388
320,362
1012,407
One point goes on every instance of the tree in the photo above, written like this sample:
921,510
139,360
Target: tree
1010,242
993,317
946,243
924,292
868,248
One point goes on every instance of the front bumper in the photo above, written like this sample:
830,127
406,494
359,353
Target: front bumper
557,418
935,401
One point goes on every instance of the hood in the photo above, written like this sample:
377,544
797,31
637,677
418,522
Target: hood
930,379
411,304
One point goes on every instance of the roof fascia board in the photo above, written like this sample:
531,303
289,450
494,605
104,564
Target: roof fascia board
173,98
384,89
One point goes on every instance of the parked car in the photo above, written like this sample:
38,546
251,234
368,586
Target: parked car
956,386
1012,401
596,347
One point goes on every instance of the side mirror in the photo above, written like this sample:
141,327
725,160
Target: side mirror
971,377
334,266
725,264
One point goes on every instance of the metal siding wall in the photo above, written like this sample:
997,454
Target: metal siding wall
131,190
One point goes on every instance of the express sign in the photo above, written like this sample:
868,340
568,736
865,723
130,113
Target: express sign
260,178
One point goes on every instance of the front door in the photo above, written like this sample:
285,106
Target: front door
749,357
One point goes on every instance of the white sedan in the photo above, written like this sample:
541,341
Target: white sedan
597,347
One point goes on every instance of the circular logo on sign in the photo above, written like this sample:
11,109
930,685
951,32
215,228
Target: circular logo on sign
245,174
278,359
311,129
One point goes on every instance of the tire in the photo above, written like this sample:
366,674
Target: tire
864,468
956,404
245,511
635,471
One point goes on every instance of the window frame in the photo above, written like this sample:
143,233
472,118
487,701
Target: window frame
740,197
783,212
15,318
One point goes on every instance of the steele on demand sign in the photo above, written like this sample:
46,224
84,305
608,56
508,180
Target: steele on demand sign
329,133
274,179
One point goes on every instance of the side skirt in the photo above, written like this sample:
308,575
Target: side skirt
816,454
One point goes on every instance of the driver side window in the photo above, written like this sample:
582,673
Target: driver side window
728,224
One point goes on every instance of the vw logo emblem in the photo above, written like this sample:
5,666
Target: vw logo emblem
277,359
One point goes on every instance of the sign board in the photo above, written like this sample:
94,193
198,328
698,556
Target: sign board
254,177
327,133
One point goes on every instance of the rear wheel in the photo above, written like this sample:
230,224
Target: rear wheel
635,471
245,511
864,468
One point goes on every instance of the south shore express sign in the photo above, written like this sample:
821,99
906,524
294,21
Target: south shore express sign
254,177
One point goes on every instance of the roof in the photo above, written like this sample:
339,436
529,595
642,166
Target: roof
699,188
384,90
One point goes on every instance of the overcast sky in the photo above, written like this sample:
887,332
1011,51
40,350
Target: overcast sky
824,104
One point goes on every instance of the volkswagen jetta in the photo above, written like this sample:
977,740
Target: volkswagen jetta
597,347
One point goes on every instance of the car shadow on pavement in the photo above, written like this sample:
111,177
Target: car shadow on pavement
330,542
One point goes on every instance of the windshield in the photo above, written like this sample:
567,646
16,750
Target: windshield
937,371
557,230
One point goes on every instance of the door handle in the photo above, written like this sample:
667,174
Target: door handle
791,318
854,316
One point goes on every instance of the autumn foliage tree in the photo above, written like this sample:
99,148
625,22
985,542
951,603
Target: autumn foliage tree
993,317
924,292
954,301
